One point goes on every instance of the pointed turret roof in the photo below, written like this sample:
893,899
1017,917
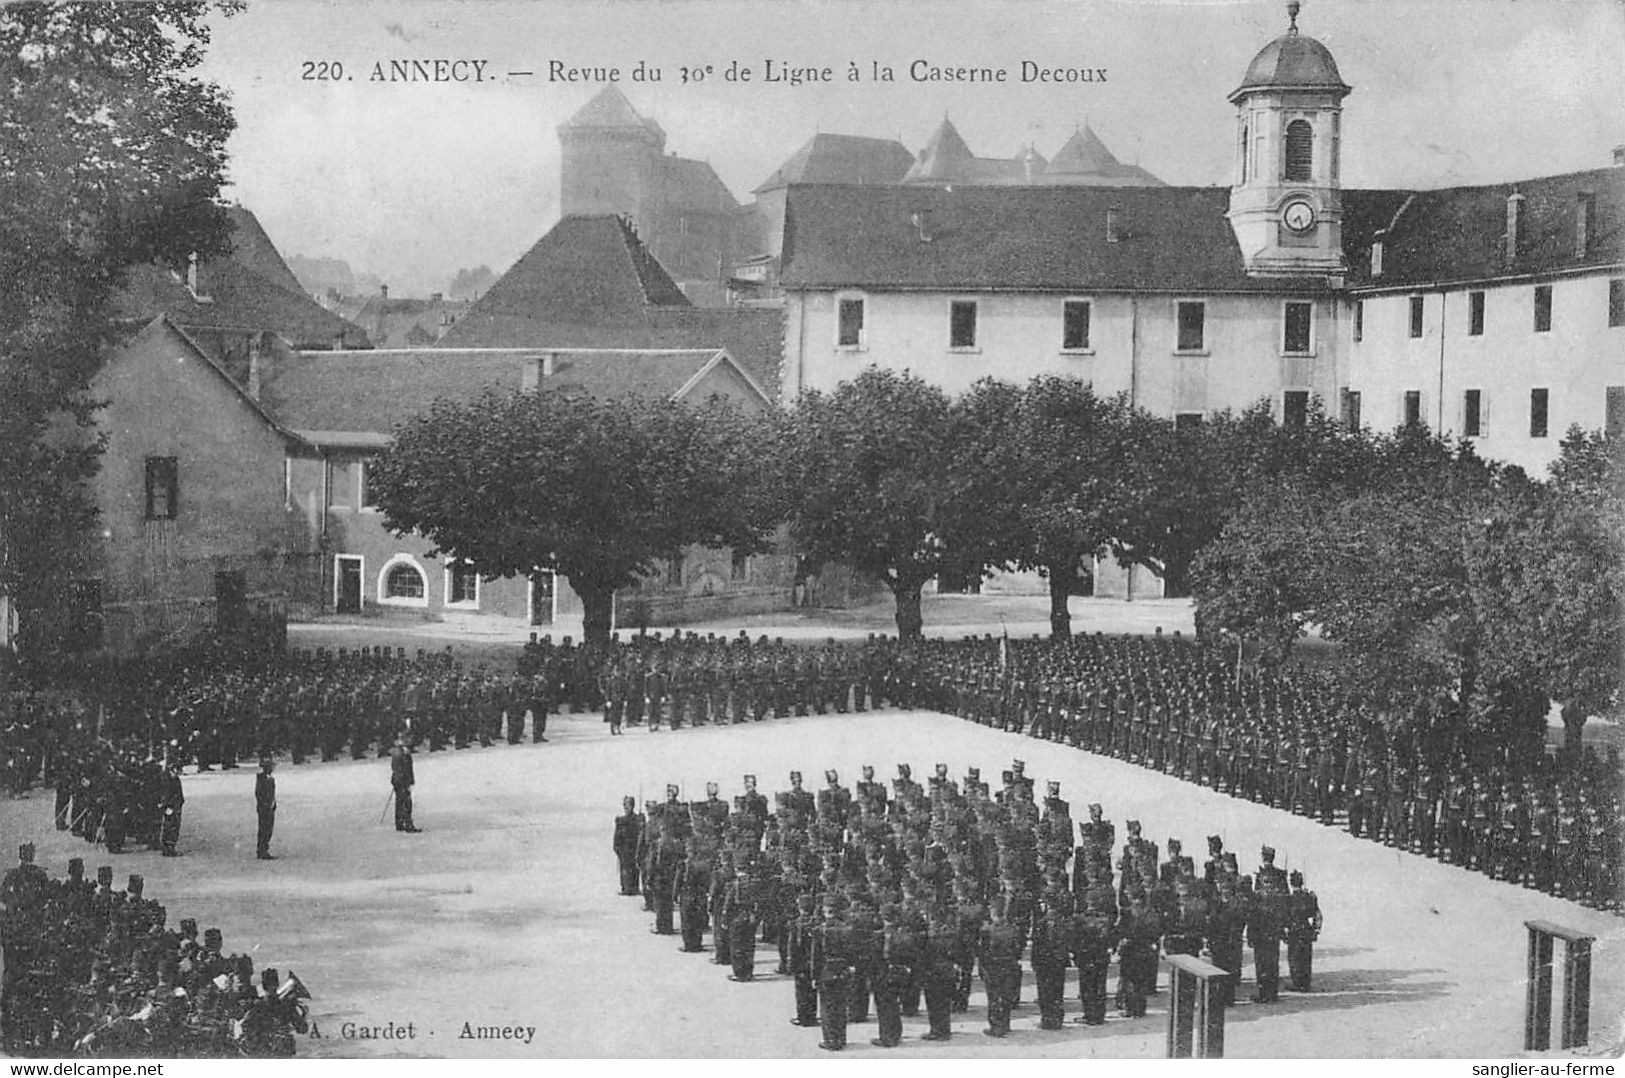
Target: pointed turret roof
945,157
609,108
1084,152
1086,160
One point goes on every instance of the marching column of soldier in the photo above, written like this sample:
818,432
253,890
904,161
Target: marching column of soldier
91,970
902,895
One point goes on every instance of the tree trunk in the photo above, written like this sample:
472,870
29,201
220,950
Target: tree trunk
909,619
1574,723
1062,578
597,611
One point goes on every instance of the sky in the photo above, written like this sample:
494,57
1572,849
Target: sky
413,180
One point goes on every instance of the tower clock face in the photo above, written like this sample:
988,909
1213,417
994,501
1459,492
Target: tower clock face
1298,215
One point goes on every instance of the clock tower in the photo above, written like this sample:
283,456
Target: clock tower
1285,206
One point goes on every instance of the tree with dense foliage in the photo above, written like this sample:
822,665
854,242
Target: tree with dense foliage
873,477
112,154
595,490
1049,468
1261,579
1556,616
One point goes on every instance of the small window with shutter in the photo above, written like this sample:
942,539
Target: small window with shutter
1300,151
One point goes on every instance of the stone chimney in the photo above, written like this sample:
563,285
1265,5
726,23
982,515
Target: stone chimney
1376,254
1619,156
1113,234
1514,221
383,291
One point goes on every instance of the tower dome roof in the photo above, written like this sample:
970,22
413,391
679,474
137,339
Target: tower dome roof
1292,62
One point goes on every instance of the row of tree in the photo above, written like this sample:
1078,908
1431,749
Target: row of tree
1435,569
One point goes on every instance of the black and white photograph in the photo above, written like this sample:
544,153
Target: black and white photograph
721,530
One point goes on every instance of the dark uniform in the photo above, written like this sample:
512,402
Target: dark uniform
265,806
401,780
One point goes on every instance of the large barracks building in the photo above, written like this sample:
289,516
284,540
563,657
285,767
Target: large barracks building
241,414
1494,313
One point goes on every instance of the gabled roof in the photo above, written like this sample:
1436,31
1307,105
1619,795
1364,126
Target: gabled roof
589,283
250,289
161,325
253,249
1031,238
694,185
1459,233
231,296
351,398
828,158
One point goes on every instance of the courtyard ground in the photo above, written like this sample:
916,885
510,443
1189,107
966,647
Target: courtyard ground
505,912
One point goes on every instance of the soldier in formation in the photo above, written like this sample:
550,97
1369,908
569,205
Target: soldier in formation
93,971
889,896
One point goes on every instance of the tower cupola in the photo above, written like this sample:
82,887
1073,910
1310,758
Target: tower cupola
1285,204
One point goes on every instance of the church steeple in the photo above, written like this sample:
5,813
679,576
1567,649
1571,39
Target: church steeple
1286,205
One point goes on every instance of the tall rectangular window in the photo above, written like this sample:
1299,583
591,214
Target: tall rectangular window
1351,409
1413,408
1543,308
1616,301
1539,399
462,582
1613,410
739,570
1472,413
1075,325
1295,408
1192,326
849,333
1475,314
962,324
162,488
1297,330
366,499
1359,320
1416,316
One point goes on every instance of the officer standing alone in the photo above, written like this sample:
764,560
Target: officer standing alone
401,781
265,805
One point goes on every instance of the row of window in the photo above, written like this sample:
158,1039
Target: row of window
1474,413
1541,311
1297,325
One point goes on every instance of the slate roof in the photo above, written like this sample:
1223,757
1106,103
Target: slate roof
589,283
1084,159
609,108
392,323
1459,233
829,158
694,185
249,289
1050,238
334,397
590,269
1292,62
